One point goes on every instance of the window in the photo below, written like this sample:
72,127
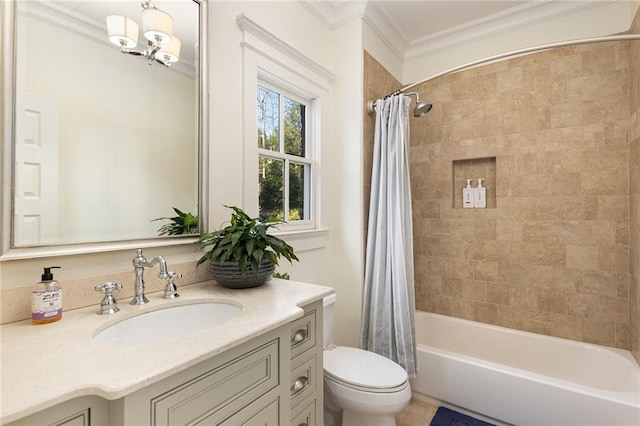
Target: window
284,155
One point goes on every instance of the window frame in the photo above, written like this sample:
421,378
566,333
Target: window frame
288,159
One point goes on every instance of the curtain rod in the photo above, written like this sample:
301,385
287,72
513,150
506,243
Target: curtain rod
371,103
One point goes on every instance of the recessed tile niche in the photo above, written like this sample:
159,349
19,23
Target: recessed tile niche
474,168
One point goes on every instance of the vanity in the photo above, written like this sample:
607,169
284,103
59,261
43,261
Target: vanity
261,366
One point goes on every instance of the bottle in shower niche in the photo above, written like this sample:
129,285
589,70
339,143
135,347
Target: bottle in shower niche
46,299
467,195
480,195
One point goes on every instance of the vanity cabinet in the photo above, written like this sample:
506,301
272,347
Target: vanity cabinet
83,411
306,368
272,379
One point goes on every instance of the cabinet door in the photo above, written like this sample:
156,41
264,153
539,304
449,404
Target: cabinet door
221,391
84,411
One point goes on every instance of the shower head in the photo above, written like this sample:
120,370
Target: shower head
421,107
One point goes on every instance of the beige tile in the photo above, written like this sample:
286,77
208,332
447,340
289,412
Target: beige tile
417,413
485,270
551,301
582,257
485,312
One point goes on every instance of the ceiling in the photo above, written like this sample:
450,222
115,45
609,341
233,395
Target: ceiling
419,20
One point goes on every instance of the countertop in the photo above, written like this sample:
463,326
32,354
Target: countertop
44,365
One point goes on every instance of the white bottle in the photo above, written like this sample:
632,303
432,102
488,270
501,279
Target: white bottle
480,195
467,195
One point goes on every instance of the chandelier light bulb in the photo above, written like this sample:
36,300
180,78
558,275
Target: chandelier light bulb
122,31
157,25
170,52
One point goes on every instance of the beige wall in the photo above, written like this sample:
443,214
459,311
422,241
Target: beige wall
553,256
634,190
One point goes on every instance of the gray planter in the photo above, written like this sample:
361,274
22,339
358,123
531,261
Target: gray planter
228,274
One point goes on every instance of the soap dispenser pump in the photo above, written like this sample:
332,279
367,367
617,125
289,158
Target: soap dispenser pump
480,195
467,195
46,299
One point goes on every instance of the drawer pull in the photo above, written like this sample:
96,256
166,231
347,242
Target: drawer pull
303,424
299,336
299,384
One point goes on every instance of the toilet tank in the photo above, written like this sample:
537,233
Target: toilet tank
328,303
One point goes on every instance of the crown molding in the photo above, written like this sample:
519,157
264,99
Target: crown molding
377,18
335,13
512,19
247,24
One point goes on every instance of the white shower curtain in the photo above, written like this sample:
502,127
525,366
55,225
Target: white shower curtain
389,303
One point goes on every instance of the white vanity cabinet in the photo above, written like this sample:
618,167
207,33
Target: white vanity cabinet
273,379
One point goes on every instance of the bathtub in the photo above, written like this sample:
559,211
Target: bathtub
521,378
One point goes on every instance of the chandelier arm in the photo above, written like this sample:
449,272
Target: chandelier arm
132,52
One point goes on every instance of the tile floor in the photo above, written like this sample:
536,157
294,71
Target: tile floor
418,413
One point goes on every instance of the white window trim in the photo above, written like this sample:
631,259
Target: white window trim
268,59
311,152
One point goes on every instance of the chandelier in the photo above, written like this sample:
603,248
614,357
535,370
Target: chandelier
157,26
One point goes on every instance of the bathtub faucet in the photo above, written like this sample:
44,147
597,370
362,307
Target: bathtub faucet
139,263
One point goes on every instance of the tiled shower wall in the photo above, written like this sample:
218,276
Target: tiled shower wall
634,180
552,257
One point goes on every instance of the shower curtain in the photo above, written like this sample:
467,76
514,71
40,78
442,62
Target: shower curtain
389,303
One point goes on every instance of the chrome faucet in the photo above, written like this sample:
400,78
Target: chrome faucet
139,263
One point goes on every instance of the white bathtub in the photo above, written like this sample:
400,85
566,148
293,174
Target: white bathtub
524,378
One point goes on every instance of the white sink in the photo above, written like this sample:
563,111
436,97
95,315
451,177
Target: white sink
167,323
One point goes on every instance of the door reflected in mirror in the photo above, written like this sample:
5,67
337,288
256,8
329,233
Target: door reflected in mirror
105,142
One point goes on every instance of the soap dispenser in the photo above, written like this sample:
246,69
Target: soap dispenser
480,195
467,195
46,299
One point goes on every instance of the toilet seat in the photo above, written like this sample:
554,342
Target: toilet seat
363,370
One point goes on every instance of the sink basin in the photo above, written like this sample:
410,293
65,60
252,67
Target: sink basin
167,323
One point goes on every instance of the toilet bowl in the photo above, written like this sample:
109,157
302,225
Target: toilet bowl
360,387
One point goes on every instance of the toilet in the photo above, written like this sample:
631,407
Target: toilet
360,387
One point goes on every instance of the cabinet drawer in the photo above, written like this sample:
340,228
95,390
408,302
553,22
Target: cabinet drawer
259,413
306,415
303,334
303,381
221,391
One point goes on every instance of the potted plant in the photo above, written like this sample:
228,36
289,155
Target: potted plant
243,254
184,223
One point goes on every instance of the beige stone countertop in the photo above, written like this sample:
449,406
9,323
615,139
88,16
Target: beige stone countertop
44,365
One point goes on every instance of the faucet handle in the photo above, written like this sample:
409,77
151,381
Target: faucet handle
171,291
108,305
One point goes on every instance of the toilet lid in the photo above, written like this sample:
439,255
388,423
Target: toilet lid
363,368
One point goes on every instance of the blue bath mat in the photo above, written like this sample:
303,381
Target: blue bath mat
447,417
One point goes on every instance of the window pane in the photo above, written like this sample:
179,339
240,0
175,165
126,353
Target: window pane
294,120
268,119
271,180
299,192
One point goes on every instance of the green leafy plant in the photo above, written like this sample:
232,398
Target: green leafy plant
246,242
184,223
281,275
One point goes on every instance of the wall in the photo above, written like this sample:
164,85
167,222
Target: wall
553,256
336,50
634,190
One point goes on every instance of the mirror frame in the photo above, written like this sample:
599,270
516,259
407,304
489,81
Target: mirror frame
8,42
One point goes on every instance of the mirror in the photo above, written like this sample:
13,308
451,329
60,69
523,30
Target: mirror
103,145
